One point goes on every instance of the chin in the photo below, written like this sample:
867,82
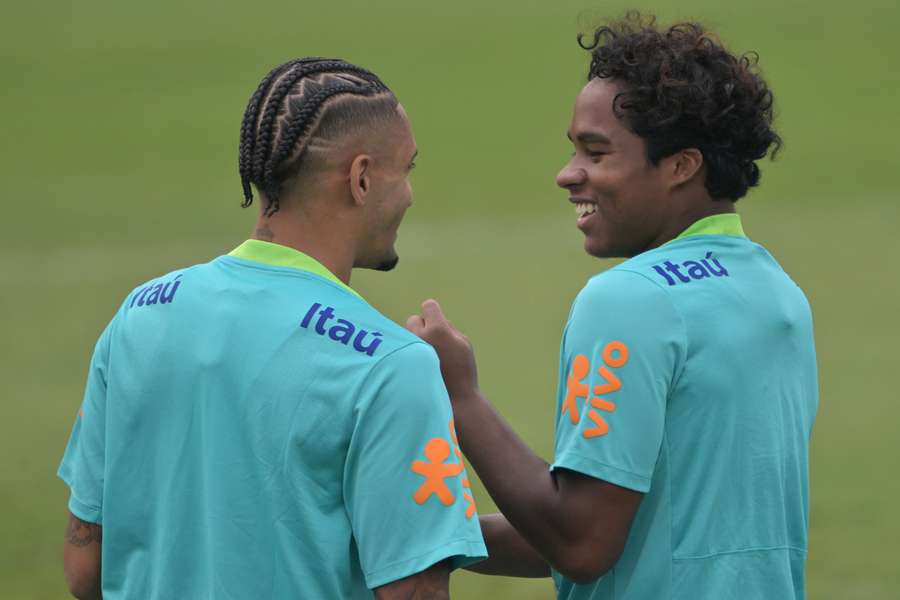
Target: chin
387,265
385,262
607,249
597,248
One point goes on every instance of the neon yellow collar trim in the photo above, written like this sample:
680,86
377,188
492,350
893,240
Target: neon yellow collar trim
724,224
282,256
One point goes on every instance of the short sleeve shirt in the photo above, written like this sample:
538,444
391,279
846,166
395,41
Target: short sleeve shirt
252,428
688,373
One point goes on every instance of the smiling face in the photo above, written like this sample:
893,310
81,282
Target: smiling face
619,196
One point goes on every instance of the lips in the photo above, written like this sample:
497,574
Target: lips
583,209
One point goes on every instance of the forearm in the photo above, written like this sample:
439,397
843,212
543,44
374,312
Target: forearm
519,481
508,552
577,522
81,558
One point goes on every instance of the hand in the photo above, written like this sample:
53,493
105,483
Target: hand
453,349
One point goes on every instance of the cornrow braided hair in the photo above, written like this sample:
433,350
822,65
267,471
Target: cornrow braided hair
295,103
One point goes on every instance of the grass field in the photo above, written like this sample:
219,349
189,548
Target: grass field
118,162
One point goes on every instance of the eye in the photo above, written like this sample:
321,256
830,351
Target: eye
596,156
412,166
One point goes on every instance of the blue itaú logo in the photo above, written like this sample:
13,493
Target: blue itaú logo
691,270
162,293
343,331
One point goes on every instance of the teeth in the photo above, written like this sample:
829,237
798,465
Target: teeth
585,208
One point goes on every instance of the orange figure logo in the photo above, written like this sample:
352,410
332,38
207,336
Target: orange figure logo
615,355
435,471
581,366
470,508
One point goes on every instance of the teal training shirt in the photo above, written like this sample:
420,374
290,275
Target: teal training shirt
688,373
252,428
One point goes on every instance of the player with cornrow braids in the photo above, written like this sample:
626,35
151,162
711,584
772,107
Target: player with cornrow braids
252,427
283,112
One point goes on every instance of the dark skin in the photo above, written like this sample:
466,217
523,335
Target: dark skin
576,523
431,584
81,558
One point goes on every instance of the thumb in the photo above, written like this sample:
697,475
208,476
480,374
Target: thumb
415,324
431,312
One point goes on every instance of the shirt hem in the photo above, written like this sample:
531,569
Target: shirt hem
462,552
599,470
740,551
83,510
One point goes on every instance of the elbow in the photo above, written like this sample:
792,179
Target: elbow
586,564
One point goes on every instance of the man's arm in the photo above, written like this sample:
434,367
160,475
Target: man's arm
508,552
431,584
578,523
81,558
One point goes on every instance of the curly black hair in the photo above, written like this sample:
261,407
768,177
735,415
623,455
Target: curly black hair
681,88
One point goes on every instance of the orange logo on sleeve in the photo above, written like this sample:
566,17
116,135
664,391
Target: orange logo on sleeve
615,355
581,366
436,471
470,508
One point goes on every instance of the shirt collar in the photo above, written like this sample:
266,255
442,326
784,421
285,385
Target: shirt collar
282,256
723,224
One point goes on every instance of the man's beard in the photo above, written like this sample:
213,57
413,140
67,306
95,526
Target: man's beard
388,264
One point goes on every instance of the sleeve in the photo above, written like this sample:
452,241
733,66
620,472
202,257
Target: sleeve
83,463
405,488
623,349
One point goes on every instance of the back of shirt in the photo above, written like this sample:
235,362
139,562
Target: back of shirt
701,369
254,430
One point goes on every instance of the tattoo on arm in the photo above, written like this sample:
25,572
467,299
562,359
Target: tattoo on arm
81,533
431,584
264,233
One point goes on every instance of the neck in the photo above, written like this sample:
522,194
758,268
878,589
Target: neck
323,239
690,214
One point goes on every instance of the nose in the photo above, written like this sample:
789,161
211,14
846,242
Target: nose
570,176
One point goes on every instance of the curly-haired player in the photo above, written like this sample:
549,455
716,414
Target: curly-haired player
687,373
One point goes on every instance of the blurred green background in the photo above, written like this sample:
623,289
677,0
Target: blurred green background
119,162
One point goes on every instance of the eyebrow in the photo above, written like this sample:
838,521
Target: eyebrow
590,137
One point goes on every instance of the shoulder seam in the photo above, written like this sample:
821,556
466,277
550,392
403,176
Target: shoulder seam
394,351
665,292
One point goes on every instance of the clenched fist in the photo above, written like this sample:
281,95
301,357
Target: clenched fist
453,349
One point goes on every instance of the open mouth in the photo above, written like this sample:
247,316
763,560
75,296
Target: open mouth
583,209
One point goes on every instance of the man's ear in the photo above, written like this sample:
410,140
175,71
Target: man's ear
360,181
684,165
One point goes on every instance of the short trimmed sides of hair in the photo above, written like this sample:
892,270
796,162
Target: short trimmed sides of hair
681,88
296,104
